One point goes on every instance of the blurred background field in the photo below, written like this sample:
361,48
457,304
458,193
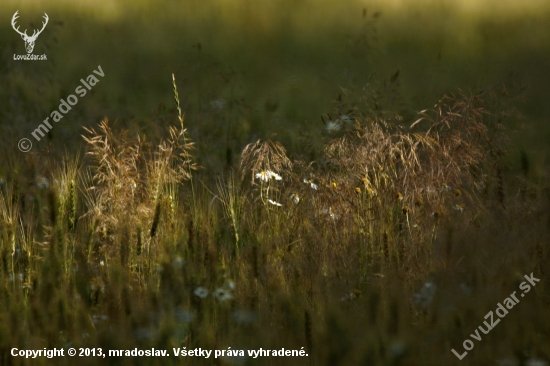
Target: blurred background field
248,69
380,244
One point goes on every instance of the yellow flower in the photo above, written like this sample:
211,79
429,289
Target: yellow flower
334,185
357,190
399,196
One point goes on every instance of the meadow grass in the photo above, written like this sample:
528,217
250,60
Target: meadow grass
119,251
219,217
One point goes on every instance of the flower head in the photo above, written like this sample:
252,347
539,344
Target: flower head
229,284
274,203
201,292
295,198
223,294
426,295
333,126
311,184
267,175
328,211
42,183
445,187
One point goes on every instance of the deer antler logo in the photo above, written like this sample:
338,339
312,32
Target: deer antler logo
29,40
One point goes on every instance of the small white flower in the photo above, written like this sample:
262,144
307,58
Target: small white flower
295,198
345,118
426,295
445,187
43,183
274,175
328,211
229,284
347,297
201,292
266,176
61,184
333,126
311,184
274,203
458,208
351,295
97,318
262,176
223,294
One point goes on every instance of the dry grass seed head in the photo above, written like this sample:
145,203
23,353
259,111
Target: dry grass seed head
263,156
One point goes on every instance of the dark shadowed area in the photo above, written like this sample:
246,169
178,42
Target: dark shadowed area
363,179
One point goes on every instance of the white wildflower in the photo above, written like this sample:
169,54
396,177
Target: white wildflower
97,318
426,295
333,126
201,292
43,183
229,284
295,198
328,211
223,294
267,175
345,118
311,184
177,263
274,203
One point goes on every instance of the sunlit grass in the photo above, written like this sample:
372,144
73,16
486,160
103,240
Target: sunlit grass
318,208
